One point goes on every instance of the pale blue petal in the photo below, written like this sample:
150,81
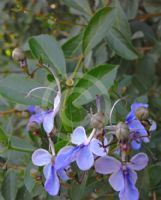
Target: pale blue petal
37,118
116,180
139,161
129,192
65,156
153,127
135,106
78,136
95,147
137,127
62,174
85,158
41,157
107,165
52,184
57,102
136,145
48,121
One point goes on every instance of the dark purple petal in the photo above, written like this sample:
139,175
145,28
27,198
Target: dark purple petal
65,156
95,147
107,165
62,174
78,136
48,121
41,157
116,180
31,109
52,184
85,158
139,161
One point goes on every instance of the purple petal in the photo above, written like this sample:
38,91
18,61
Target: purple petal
107,165
137,127
37,118
62,174
65,156
129,192
139,161
52,184
153,127
85,158
136,145
95,147
116,180
48,122
57,102
41,157
78,136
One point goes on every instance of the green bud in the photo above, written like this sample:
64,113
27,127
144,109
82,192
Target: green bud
98,120
18,54
122,131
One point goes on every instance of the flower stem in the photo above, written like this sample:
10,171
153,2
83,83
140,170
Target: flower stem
51,145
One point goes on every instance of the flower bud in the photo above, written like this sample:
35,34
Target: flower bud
18,54
142,113
122,131
98,120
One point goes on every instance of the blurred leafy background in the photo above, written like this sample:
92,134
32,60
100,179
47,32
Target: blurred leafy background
126,33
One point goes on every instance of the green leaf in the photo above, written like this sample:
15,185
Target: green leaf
97,28
82,5
19,144
121,45
28,180
95,82
16,87
47,49
72,46
3,141
23,194
154,170
9,185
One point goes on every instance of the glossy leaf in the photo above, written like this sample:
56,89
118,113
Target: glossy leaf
9,185
16,87
97,28
46,49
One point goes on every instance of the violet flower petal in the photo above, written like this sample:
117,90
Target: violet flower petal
85,158
138,162
52,184
95,147
65,156
62,174
116,180
78,136
41,157
135,145
48,121
107,165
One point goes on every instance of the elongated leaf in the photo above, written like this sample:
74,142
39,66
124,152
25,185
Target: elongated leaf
121,45
16,87
9,186
95,82
82,5
97,28
72,46
47,49
3,141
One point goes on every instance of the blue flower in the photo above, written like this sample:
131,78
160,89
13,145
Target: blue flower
46,117
52,171
123,177
84,151
137,130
